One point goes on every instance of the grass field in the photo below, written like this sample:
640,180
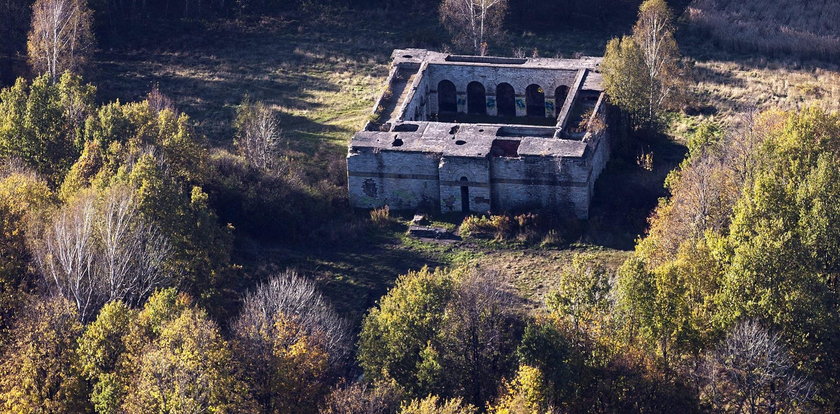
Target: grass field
322,77
771,27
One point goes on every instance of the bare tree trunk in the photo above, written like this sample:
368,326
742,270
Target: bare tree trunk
93,253
61,38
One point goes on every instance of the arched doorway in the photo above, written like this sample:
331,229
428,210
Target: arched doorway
447,98
506,100
465,195
535,101
476,99
560,95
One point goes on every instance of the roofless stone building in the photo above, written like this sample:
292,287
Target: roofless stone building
476,134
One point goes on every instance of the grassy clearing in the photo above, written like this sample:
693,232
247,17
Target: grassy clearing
322,76
778,27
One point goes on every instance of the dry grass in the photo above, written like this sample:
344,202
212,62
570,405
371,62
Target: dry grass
534,272
736,86
777,27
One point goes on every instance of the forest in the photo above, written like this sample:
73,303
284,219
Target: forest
176,236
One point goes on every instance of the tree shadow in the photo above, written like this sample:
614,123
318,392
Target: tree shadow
352,276
626,193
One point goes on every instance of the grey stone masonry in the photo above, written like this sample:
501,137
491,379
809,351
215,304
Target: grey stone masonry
482,134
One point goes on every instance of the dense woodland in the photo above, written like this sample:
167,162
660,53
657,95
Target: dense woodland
166,251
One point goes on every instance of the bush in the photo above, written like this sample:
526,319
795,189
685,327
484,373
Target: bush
498,227
381,217
543,228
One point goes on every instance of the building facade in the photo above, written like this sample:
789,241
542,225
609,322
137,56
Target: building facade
479,134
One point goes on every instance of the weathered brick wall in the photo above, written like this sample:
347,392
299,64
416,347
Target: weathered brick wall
453,170
401,180
540,182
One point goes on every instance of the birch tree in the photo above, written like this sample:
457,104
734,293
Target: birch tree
641,71
473,22
258,134
94,252
654,34
61,38
750,372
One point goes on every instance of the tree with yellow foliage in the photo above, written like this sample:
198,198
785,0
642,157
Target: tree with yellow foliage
525,394
22,197
37,372
436,405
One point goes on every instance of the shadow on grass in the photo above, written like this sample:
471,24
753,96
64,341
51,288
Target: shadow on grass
353,276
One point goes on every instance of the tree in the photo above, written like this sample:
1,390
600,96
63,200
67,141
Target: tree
544,348
527,393
654,33
257,134
473,22
23,198
436,405
37,373
654,302
61,38
395,338
101,353
582,293
363,398
751,372
478,338
289,341
188,368
41,123
96,251
641,71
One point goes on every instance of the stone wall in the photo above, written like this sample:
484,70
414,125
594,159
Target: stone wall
417,107
401,180
431,182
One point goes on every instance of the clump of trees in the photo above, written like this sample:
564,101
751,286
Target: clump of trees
473,23
702,270
96,251
449,333
291,343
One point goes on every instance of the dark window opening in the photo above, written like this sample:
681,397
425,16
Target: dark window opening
406,128
506,100
476,99
560,95
535,101
447,97
465,195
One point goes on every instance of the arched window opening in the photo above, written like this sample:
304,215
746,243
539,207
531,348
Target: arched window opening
535,101
476,99
560,95
447,98
506,100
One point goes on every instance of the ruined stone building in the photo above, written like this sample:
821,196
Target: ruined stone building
476,134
